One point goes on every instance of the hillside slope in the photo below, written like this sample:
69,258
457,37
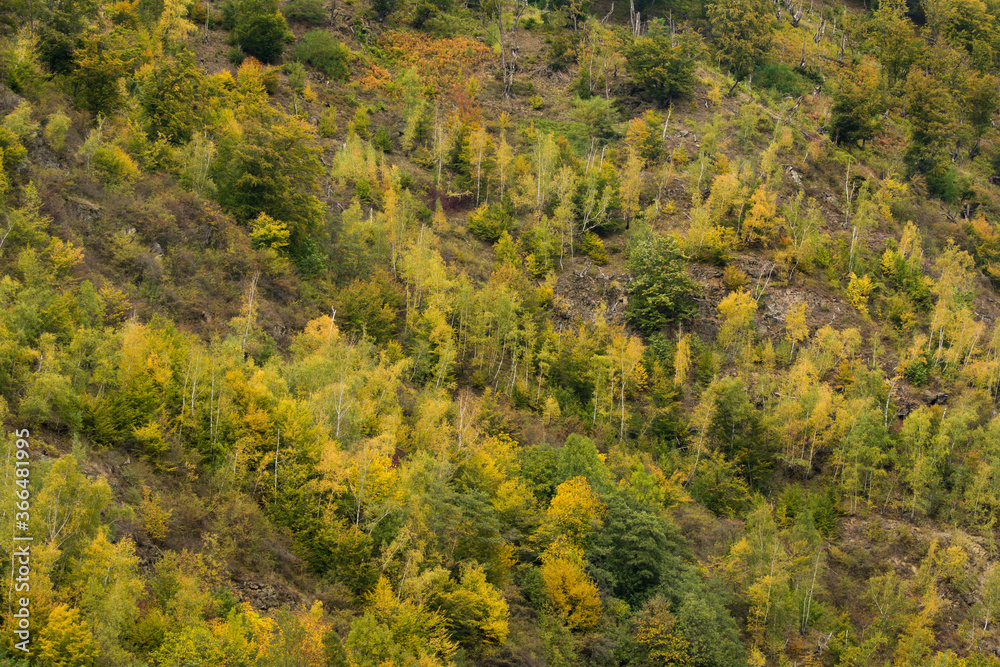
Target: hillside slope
420,333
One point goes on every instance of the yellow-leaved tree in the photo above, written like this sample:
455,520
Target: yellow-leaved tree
570,591
737,311
65,641
574,513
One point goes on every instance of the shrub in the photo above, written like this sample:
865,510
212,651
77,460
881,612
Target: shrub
383,8
734,278
56,129
660,72
19,122
918,372
258,28
489,222
660,289
310,12
382,140
593,247
858,291
424,12
327,125
113,165
235,55
780,78
296,74
361,123
321,50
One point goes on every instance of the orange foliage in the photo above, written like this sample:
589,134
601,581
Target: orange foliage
375,77
441,63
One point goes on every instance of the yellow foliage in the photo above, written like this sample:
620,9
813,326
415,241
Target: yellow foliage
151,437
574,512
571,593
796,328
66,641
682,360
269,233
655,632
64,255
315,628
917,640
762,220
858,291
154,515
737,311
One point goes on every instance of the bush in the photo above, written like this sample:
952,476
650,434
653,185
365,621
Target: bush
383,8
592,246
310,12
660,72
56,129
296,74
327,125
19,122
258,28
236,56
21,70
489,222
780,78
361,123
382,140
424,12
321,50
660,289
113,165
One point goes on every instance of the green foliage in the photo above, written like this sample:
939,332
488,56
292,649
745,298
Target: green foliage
741,30
113,165
720,486
660,290
56,128
597,114
476,611
101,63
579,458
592,246
387,456
382,140
167,88
371,307
930,108
272,168
382,9
857,109
21,67
637,551
322,50
257,27
327,126
423,13
269,233
739,433
712,633
780,78
488,223
660,70
310,12
20,123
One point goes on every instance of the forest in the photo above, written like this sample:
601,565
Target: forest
379,333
